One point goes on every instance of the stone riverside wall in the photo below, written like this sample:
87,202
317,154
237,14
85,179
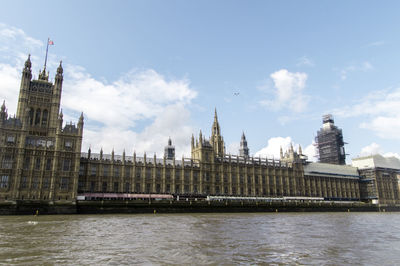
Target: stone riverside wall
103,207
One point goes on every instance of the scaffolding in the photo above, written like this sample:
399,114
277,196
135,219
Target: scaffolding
329,142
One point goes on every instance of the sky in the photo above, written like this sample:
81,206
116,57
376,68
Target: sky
143,71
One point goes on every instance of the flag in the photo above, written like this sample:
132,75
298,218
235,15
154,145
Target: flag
50,42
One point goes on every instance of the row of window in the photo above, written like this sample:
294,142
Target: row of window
38,117
48,165
186,189
63,184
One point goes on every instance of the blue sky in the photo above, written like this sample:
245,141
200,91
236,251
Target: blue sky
171,62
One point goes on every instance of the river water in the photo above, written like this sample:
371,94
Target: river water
202,239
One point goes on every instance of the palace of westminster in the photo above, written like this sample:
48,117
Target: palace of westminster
41,159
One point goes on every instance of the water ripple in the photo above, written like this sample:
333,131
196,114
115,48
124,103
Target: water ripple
202,239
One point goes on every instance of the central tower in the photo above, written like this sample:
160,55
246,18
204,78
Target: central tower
217,141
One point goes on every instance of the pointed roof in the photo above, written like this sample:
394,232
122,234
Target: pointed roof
243,136
28,63
60,68
169,141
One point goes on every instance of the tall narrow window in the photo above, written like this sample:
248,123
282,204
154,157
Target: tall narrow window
37,117
4,181
35,182
37,164
27,161
64,183
23,181
127,187
48,164
45,117
31,112
92,186
46,182
7,162
67,165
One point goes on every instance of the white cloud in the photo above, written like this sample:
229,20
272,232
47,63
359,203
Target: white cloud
233,148
311,152
371,149
9,86
364,67
377,43
289,91
305,61
375,148
272,150
381,111
139,110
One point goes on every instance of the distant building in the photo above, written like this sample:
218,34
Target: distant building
380,178
330,144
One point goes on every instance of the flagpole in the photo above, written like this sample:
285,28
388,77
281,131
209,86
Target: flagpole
47,50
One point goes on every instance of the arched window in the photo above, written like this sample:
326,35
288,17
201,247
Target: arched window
37,117
31,111
44,117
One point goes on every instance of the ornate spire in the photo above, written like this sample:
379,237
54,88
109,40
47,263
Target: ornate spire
81,118
43,75
60,69
281,152
28,63
244,150
3,111
300,150
200,137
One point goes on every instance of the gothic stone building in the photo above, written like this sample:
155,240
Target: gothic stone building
210,171
39,157
42,160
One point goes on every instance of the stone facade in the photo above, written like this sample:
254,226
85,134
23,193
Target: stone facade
210,171
42,160
380,178
39,157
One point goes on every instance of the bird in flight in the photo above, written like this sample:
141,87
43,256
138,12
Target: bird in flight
236,94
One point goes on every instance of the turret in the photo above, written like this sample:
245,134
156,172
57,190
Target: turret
59,74
217,141
24,87
3,112
43,75
80,123
169,151
244,150
200,138
60,120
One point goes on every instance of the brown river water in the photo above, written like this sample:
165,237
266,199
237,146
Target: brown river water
202,239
